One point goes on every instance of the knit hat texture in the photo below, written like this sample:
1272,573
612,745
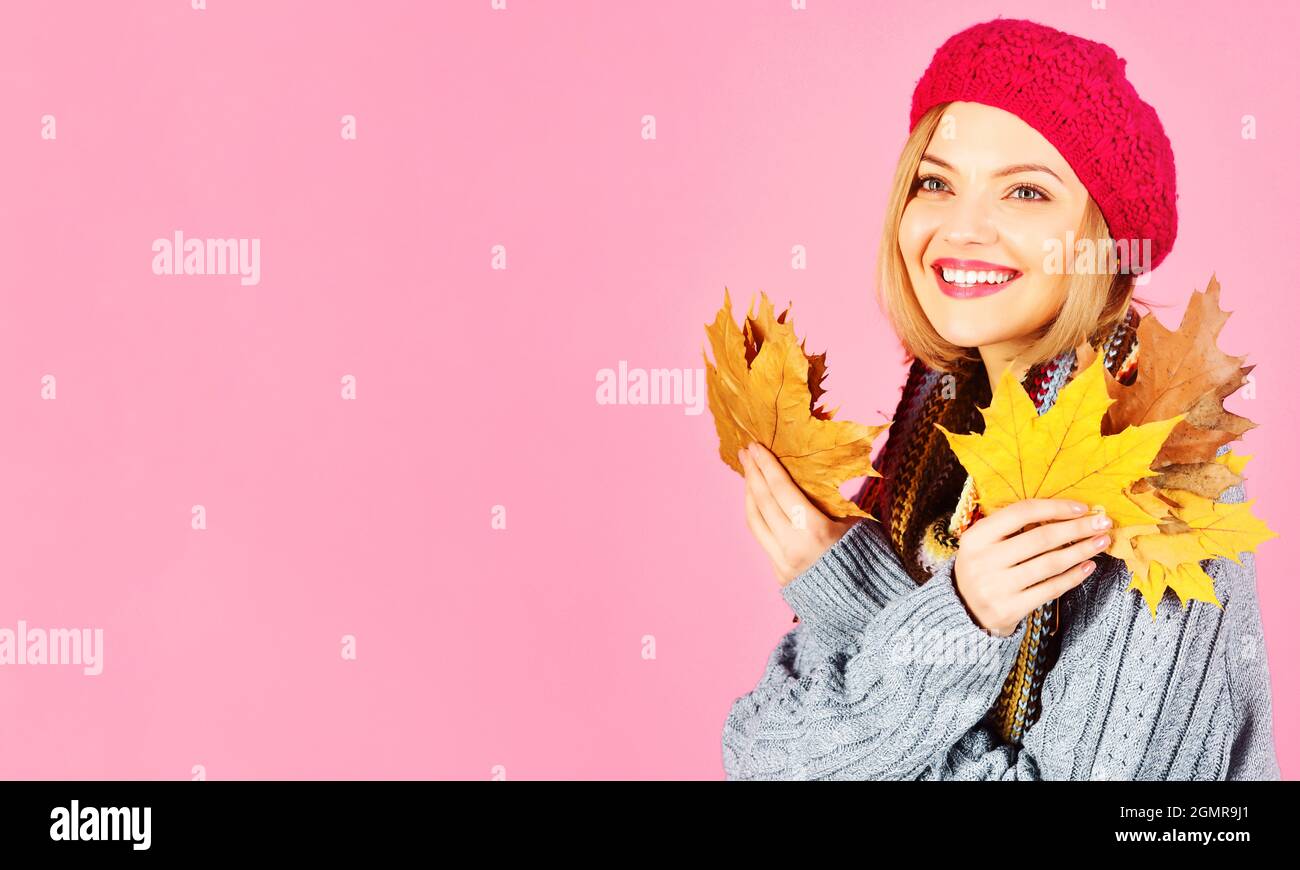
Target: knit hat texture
1074,92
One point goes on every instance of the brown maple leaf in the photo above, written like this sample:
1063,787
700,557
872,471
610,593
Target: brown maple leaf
1184,372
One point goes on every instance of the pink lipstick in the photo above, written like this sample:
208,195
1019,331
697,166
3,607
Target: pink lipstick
967,279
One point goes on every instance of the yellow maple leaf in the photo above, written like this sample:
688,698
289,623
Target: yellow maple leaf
1234,462
1207,529
1062,453
1188,580
765,388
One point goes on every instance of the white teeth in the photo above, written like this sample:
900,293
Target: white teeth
968,277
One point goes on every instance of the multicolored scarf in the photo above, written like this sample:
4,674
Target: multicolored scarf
926,499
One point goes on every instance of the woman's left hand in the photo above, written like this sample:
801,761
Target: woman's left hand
793,531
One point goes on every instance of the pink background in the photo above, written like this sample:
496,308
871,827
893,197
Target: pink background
479,647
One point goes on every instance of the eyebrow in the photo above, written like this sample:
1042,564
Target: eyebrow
1007,170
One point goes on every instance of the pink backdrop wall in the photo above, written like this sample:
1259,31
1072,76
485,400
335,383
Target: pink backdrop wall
482,652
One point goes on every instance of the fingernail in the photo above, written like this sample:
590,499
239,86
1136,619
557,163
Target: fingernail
1088,566
1101,521
1078,508
1101,541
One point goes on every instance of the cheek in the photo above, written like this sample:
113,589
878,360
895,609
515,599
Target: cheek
1030,238
914,233
1047,294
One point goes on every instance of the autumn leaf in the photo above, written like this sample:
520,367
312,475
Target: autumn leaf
1062,453
765,387
1193,528
1204,478
1234,462
1184,372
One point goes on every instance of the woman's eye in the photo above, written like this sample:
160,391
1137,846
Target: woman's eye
935,184
1037,193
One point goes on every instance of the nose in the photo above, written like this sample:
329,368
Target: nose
970,222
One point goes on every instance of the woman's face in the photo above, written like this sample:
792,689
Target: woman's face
990,192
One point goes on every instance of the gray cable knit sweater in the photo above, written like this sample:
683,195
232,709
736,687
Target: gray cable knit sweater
884,679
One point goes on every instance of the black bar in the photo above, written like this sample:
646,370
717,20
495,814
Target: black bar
371,818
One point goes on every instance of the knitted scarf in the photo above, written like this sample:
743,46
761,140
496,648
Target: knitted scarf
926,499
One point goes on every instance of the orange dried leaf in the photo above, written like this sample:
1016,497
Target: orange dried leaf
763,386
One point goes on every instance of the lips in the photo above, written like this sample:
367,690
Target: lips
966,279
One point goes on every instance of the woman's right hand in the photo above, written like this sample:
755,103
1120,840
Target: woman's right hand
1004,573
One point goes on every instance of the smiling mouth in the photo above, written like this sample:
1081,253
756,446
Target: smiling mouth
968,283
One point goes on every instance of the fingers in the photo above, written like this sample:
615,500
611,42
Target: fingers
1053,587
756,485
1056,562
758,525
788,497
1014,517
1025,545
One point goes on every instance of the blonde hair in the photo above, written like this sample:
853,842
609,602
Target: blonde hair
1094,303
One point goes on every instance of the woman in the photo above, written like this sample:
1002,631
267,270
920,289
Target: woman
941,644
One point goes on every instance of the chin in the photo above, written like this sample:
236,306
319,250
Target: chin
973,323
965,337
955,325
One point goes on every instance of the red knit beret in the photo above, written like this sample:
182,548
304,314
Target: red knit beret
1073,91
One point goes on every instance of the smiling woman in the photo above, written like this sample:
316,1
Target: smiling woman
939,643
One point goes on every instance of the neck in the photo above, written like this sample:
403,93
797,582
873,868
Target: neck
1006,354
1001,356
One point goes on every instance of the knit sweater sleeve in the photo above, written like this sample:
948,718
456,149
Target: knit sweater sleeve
1252,754
881,676
852,582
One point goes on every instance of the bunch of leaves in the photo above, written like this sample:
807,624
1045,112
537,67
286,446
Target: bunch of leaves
1145,452
1184,371
765,387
